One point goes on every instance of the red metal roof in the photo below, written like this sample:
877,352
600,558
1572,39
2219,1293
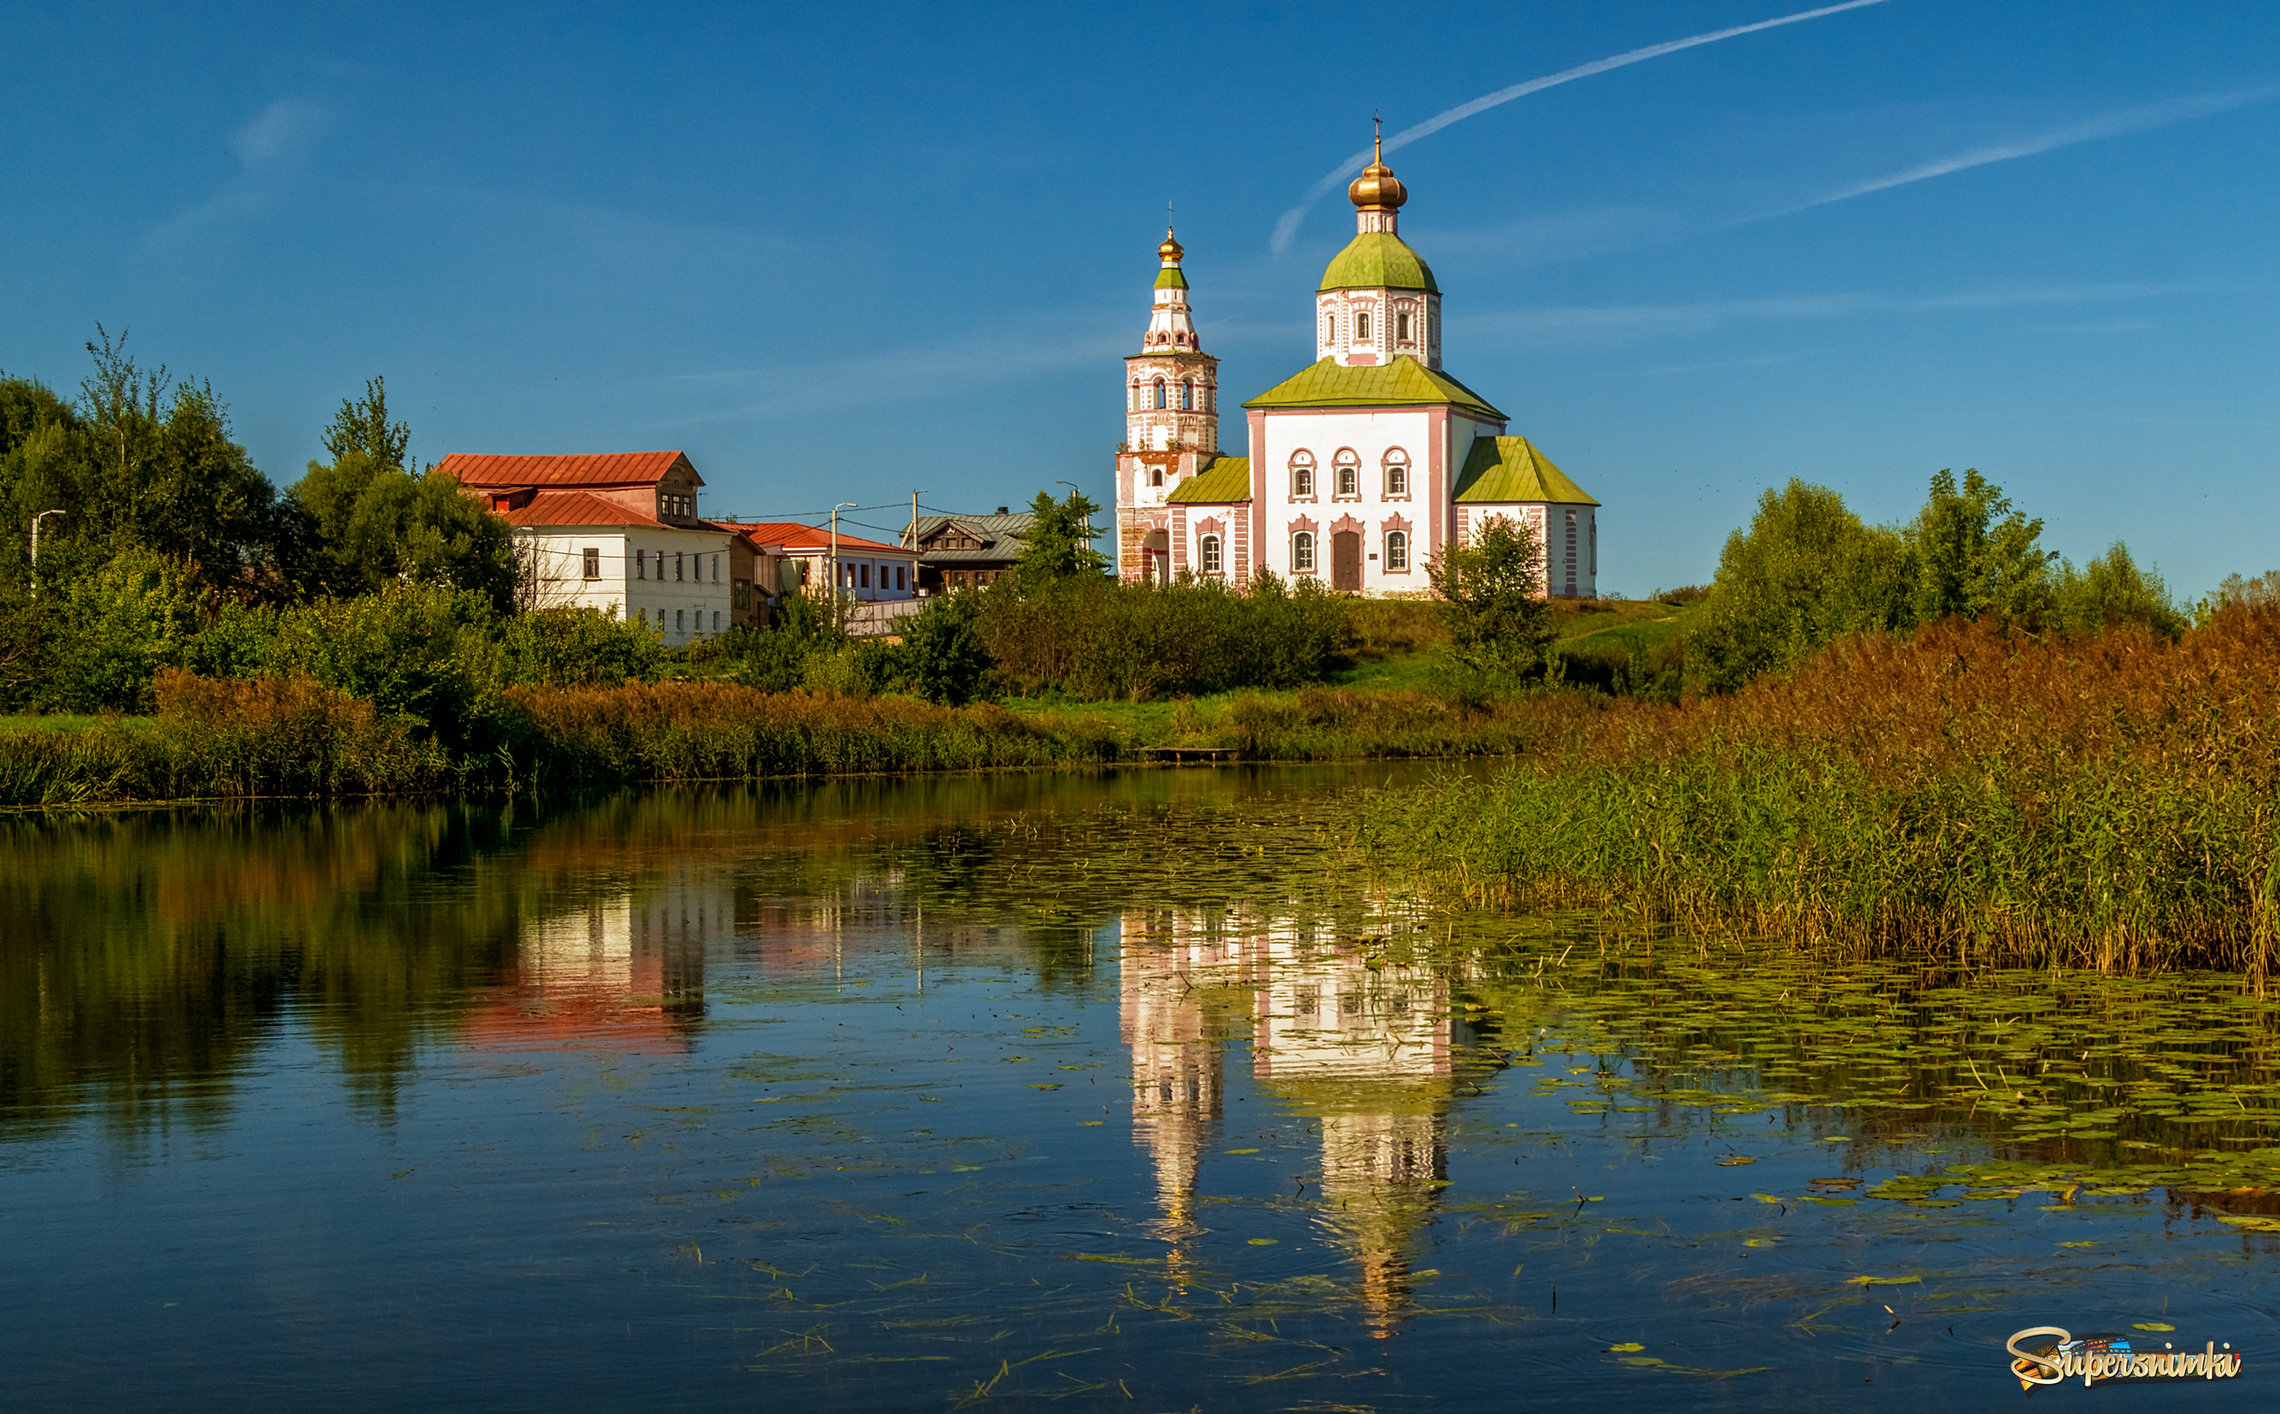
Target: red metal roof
794,536
575,469
577,508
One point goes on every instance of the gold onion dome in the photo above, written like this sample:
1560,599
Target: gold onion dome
1377,185
1170,249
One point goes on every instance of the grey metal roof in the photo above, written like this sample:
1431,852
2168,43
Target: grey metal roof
1001,537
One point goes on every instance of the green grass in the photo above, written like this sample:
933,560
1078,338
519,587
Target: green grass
66,722
1637,622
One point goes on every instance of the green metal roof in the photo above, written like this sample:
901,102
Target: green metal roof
1402,383
1377,260
1227,479
1503,470
1170,278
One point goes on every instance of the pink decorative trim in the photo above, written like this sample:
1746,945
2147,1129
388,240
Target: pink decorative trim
1302,523
1344,524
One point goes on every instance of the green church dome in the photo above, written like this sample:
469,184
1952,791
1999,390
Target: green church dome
1378,260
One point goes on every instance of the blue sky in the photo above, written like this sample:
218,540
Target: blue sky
836,253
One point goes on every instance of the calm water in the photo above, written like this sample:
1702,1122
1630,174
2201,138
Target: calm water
1124,1092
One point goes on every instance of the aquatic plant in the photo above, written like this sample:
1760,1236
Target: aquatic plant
2111,801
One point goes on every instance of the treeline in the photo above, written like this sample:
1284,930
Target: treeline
1808,571
154,527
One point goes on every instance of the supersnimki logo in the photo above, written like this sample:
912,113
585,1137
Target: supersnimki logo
2049,1355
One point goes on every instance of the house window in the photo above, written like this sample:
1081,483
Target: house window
1396,475
1349,479
1401,326
677,564
680,619
863,574
1302,552
591,562
1208,554
716,569
1159,392
900,572
1397,549
641,564
1302,475
716,621
1362,326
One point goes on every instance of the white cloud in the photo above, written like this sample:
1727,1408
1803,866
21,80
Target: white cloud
2130,120
269,148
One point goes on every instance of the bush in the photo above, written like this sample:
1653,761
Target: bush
285,736
1098,640
943,657
118,628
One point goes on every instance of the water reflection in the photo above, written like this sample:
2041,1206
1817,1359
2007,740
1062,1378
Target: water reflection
1360,1043
625,972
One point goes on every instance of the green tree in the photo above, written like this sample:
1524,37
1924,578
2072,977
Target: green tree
137,461
943,656
1970,553
375,519
2111,589
1491,589
1806,570
137,614
1058,545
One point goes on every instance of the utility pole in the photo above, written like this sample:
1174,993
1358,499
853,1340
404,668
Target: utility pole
915,493
835,510
1074,492
43,515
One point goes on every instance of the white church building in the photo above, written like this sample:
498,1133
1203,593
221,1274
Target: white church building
1358,469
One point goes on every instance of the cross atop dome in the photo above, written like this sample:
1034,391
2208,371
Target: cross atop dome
1377,193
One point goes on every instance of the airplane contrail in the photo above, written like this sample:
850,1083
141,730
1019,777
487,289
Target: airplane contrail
1287,226
2129,120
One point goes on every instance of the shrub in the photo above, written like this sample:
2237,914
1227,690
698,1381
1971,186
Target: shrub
286,736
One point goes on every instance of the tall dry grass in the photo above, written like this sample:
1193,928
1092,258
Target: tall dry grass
684,731
2111,801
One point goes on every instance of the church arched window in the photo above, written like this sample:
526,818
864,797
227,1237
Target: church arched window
1397,550
1302,552
1301,474
1155,476
1361,326
1330,327
1159,392
1187,396
1397,472
1207,554
1401,326
1349,474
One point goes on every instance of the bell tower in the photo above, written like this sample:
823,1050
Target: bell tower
1171,387
1171,421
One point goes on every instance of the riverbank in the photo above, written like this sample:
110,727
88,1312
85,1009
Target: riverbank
292,738
2111,802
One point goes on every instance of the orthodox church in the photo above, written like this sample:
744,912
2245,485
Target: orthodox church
1358,469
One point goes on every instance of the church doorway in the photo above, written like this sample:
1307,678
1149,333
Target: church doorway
1346,561
1155,557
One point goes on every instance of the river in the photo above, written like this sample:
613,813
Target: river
1132,1091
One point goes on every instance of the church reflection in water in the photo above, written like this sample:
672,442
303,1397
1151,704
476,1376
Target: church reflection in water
1360,1044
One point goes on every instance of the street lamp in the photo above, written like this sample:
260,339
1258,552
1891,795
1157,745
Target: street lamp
43,515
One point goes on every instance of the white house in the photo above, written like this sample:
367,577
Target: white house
618,532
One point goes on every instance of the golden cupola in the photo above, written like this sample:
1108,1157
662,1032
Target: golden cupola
1377,188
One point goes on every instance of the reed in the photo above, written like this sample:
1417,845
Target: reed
2109,801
